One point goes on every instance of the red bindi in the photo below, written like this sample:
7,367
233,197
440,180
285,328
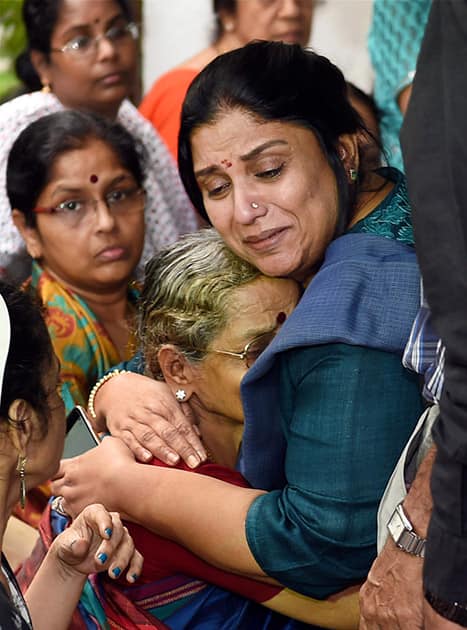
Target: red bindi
226,163
281,317
93,179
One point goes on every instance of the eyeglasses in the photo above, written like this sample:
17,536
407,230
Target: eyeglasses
83,46
251,351
78,212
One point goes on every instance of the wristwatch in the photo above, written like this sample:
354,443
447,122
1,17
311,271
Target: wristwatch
403,534
453,611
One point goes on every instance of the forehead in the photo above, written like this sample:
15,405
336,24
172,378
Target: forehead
263,296
237,132
85,12
94,157
259,6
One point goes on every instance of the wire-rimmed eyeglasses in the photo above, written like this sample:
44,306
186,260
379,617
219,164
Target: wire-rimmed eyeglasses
251,351
83,46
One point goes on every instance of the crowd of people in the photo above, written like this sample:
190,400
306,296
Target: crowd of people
277,388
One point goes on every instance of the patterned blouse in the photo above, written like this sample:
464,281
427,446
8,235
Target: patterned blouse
168,210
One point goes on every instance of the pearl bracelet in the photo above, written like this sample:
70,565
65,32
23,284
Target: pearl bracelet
97,386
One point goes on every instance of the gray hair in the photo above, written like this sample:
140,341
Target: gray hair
186,295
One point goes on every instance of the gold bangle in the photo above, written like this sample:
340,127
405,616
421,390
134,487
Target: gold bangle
97,386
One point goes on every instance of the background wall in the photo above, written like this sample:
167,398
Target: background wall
174,30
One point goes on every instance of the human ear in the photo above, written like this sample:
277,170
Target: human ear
22,419
177,371
348,151
29,234
41,66
227,19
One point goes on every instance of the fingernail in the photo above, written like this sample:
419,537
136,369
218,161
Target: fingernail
147,455
173,458
201,455
102,557
193,461
134,576
108,531
116,571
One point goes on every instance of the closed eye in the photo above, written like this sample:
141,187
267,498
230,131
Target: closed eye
270,173
218,191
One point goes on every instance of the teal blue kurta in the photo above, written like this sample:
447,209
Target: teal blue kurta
318,535
345,411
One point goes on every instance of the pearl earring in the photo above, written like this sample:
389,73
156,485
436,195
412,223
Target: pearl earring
254,205
180,395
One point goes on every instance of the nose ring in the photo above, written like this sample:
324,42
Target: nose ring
254,205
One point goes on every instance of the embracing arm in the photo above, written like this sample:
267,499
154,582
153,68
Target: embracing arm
196,509
164,557
308,520
347,413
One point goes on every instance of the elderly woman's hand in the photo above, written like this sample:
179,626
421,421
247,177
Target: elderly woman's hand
145,415
90,477
98,541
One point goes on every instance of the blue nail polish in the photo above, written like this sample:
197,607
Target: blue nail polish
102,557
134,576
108,531
116,571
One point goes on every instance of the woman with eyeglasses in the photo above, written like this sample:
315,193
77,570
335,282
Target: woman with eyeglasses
75,183
83,55
200,303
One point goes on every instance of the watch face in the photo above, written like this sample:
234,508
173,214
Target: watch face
396,527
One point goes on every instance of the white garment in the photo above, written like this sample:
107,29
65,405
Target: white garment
168,210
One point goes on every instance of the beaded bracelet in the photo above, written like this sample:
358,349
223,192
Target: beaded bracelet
97,386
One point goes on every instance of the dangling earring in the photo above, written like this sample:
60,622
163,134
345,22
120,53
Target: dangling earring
180,395
21,468
353,174
46,89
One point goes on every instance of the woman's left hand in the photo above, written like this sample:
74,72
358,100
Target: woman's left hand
93,477
98,541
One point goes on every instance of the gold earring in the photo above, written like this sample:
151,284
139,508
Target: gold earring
21,468
46,89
